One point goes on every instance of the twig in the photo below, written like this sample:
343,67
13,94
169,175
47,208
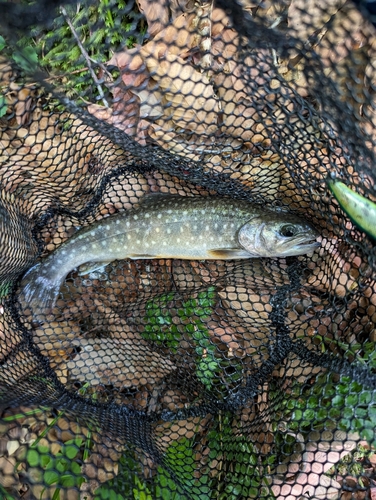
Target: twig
88,59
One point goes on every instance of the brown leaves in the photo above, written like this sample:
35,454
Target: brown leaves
189,98
121,363
156,13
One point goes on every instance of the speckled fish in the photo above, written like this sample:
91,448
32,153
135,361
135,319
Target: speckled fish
170,226
360,210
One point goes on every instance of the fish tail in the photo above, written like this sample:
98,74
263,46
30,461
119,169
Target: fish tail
39,289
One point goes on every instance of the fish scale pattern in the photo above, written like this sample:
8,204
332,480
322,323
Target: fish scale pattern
170,378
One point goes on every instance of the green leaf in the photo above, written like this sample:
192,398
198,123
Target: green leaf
2,43
51,477
3,110
32,458
69,480
72,447
27,59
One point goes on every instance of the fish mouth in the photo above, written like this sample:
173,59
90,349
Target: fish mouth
312,241
308,246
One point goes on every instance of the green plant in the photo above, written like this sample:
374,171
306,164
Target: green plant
338,401
130,483
61,469
5,495
352,464
82,38
161,328
158,321
231,469
242,473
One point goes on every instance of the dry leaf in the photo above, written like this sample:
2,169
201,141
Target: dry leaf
192,105
307,16
23,105
156,13
150,103
122,363
125,113
132,67
179,7
179,38
8,474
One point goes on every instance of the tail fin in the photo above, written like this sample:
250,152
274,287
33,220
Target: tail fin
39,289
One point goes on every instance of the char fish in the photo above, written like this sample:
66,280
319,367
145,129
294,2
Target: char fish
171,226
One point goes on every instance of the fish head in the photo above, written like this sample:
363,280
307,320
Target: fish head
278,234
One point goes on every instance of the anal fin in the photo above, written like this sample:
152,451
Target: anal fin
229,254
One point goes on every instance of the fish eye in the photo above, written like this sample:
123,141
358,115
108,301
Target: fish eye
288,231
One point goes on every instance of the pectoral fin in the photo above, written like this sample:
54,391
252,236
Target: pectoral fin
229,254
90,267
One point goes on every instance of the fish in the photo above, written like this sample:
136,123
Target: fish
171,227
361,210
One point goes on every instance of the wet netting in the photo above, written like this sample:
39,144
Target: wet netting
187,258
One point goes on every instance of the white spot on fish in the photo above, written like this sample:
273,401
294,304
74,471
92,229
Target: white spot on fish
178,240
94,245
108,227
138,242
118,222
137,230
164,243
59,261
129,236
232,224
206,228
169,211
203,212
159,216
157,229
185,212
215,226
147,215
168,231
84,248
135,216
63,252
104,242
153,242
224,226
128,223
181,229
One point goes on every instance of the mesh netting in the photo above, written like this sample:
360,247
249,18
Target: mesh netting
187,311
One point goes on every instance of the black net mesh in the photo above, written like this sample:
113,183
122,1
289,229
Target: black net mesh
190,366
